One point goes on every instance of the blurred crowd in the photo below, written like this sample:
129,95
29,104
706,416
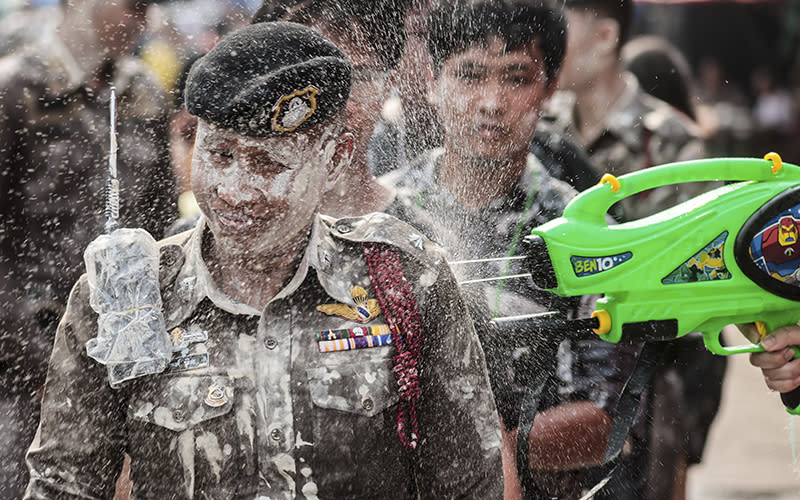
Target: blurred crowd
730,67
729,71
743,69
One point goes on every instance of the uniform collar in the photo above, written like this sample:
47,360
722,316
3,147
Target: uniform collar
621,119
338,270
194,282
530,180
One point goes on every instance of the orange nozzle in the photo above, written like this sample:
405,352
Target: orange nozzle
777,163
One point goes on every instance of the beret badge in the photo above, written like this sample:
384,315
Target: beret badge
291,110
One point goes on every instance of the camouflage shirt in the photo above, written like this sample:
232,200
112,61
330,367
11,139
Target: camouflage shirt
496,231
252,408
639,132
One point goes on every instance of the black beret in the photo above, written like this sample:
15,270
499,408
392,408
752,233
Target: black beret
269,78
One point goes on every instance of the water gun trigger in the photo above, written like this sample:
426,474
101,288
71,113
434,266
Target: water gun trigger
762,330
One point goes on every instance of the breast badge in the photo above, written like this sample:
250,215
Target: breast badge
364,311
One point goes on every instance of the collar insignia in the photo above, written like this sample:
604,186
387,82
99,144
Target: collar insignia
293,109
364,311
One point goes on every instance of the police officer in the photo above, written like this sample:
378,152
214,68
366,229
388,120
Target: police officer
314,357
603,109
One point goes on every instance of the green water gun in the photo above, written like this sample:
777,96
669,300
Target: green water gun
731,255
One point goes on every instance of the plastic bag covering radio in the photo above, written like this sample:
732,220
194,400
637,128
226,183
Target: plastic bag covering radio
132,340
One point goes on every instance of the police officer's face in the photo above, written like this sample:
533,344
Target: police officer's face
259,193
490,99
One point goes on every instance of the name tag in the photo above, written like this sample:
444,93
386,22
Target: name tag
181,339
190,362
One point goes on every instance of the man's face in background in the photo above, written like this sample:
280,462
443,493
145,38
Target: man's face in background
586,53
489,99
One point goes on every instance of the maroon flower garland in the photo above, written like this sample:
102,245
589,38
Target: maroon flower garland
405,322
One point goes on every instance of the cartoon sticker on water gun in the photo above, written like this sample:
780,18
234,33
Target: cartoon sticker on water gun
776,249
706,265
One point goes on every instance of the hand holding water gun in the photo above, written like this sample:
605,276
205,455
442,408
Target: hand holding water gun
781,370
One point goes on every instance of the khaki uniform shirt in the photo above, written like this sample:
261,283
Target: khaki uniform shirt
251,408
639,132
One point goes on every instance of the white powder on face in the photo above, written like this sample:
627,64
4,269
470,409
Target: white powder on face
295,151
285,197
277,187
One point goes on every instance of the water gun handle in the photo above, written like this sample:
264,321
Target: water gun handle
791,400
593,204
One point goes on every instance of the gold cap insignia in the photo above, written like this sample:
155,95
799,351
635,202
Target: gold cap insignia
293,109
364,311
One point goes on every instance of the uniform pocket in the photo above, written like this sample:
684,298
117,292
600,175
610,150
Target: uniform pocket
364,388
354,429
178,403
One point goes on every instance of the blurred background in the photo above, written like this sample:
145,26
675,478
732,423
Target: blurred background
744,66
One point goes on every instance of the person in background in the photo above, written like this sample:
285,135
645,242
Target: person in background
723,112
314,356
494,64
662,71
182,130
54,145
372,36
774,112
24,25
408,125
604,109
687,386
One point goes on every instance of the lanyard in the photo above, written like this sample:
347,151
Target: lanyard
512,249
